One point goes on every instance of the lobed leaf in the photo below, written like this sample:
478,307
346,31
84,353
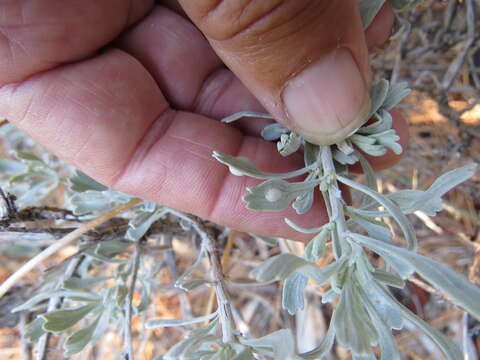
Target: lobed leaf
280,343
61,320
293,293
275,194
241,166
79,339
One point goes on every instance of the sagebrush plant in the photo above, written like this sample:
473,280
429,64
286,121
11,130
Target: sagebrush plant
80,292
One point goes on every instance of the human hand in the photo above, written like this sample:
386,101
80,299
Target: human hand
130,91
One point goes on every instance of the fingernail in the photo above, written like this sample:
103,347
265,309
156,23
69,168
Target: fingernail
328,100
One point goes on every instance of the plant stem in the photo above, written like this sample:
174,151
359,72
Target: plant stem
223,299
128,343
224,262
52,249
336,214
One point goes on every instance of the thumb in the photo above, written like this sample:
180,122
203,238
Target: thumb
305,60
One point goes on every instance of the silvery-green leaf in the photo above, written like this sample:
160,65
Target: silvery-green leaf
91,201
428,201
288,144
368,145
431,198
109,260
278,267
84,283
158,323
224,353
79,339
380,89
451,351
388,278
293,292
83,295
111,248
303,203
121,294
406,200
246,114
185,349
310,153
34,330
273,131
61,320
81,182
33,185
325,346
344,159
244,355
361,139
389,139
345,146
455,286
302,229
388,312
386,342
280,343
141,223
281,266
316,247
28,156
241,166
340,274
368,10
403,268
192,342
394,210
373,150
384,122
12,167
275,194
322,275
369,173
396,93
374,228
105,315
354,330
183,277
146,291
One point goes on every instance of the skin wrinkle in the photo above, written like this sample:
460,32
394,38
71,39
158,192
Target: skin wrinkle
250,25
51,41
203,96
292,30
142,148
